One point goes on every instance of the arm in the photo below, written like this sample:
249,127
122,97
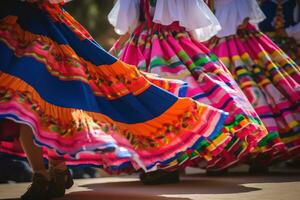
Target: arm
119,44
294,31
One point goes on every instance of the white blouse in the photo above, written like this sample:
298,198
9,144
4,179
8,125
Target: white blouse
125,16
231,14
194,15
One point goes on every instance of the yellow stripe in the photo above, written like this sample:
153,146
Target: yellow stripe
151,128
293,124
242,71
291,139
220,139
264,82
247,84
225,60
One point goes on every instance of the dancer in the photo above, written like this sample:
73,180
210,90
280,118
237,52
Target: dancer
282,25
267,76
161,37
67,95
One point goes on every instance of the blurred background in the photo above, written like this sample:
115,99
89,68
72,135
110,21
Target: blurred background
92,14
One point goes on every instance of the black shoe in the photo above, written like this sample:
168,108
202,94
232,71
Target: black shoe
38,190
60,181
258,169
221,172
160,177
293,163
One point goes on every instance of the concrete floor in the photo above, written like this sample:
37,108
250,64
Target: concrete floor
237,185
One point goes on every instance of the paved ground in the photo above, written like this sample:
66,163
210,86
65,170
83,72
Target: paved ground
280,184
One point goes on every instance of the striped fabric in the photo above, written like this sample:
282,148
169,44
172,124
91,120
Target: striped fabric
172,53
288,44
270,80
90,108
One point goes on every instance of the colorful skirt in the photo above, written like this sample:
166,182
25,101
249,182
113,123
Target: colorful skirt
87,107
271,81
288,45
172,53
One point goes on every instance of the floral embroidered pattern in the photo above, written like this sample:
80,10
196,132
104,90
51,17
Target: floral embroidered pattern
110,81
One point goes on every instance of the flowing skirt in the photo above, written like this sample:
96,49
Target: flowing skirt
86,106
171,52
288,44
270,80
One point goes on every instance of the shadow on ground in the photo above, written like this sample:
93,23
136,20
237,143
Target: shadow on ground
190,185
129,188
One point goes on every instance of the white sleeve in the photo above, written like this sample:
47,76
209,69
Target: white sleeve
194,15
232,13
124,16
294,31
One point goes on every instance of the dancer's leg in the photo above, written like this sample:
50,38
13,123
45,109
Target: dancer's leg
34,153
41,179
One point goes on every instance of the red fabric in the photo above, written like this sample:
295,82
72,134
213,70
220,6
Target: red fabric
9,130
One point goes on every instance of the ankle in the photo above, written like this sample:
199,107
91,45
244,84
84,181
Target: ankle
59,167
44,173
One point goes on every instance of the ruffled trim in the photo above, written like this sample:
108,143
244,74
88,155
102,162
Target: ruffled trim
253,58
55,127
194,15
72,67
232,13
57,14
139,51
63,62
71,131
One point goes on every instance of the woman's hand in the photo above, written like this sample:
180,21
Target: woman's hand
119,44
244,24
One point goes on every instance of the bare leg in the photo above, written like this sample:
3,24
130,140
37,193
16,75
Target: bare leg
56,163
39,188
33,152
60,177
